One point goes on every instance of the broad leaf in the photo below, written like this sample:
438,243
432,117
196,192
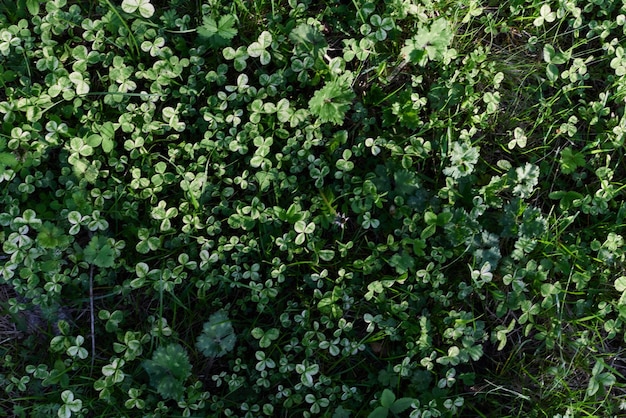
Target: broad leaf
218,32
99,252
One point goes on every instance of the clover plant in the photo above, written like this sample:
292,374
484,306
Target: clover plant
347,209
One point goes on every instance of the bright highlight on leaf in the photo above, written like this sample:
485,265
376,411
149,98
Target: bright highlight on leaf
430,43
332,101
145,8
546,15
463,158
519,139
259,48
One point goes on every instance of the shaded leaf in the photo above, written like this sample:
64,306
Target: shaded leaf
99,252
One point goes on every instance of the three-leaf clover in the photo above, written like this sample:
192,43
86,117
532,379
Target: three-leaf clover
306,372
113,319
599,377
382,26
482,276
619,62
239,57
259,48
369,221
519,139
145,8
82,87
265,337
77,350
146,242
545,15
70,404
264,361
554,58
303,229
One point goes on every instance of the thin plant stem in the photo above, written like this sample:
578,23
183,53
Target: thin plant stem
92,319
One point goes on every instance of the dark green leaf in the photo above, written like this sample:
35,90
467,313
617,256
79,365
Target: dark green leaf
218,32
379,412
387,398
571,160
8,159
401,405
307,36
99,252
402,262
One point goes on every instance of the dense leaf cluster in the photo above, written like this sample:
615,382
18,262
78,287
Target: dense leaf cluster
311,208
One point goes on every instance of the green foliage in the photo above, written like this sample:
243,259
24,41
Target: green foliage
144,7
389,403
219,32
463,158
570,160
99,252
332,101
218,336
168,369
430,43
289,208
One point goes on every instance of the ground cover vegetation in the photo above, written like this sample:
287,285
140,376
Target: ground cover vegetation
301,208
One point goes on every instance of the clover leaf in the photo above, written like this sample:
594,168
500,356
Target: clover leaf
259,48
389,403
519,139
265,337
70,404
145,8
